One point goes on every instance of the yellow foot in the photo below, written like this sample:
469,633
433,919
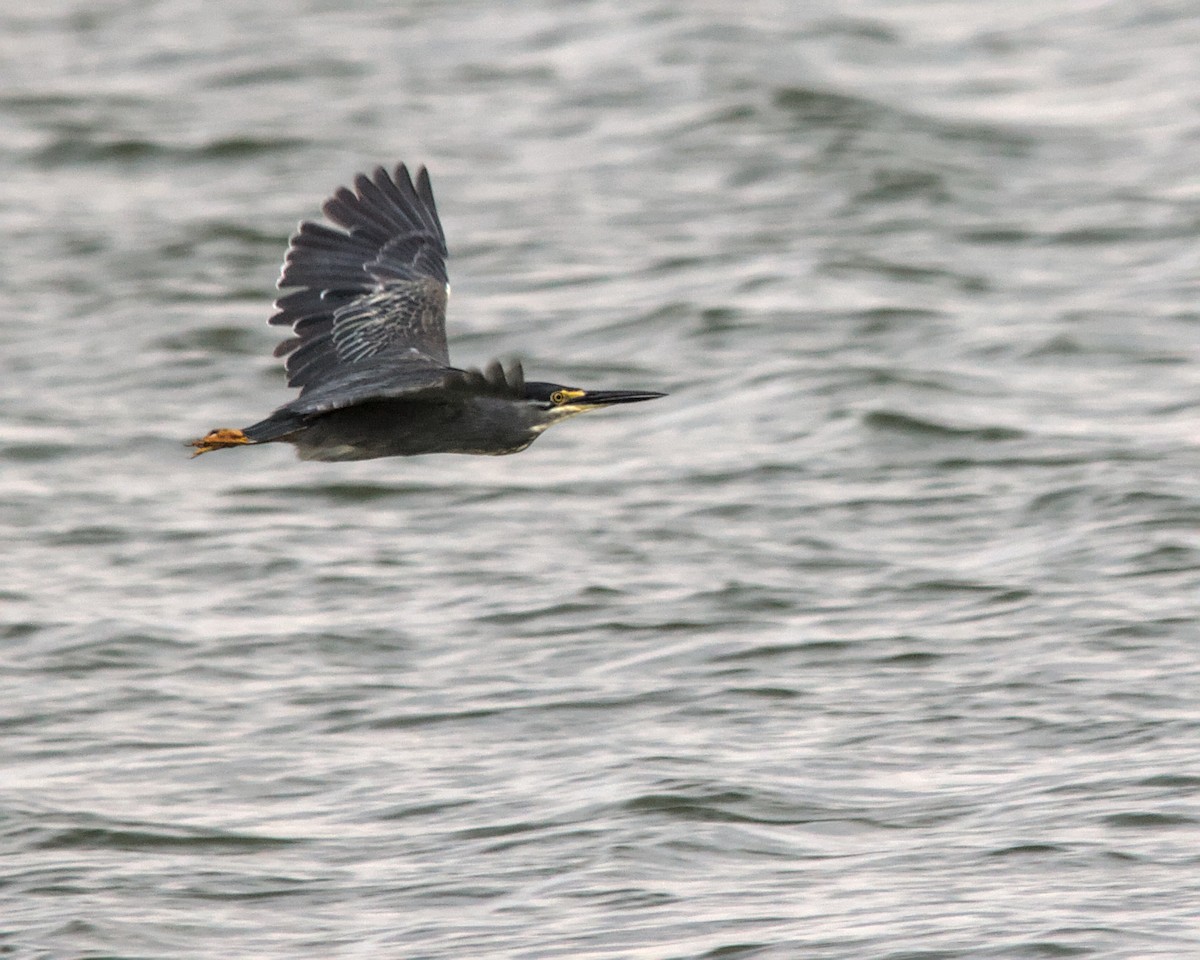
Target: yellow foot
218,439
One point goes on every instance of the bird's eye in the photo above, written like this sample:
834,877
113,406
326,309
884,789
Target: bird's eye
558,396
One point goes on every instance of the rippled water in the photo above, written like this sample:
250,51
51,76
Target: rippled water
878,638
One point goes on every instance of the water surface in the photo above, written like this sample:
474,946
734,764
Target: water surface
876,639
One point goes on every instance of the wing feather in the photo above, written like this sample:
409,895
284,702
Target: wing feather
376,286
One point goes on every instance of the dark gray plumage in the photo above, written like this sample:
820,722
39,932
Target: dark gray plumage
368,350
379,286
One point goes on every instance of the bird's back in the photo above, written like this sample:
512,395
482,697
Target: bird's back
473,424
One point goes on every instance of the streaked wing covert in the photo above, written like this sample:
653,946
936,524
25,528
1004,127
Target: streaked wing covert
394,377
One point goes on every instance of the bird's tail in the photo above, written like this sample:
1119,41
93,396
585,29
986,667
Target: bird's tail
219,439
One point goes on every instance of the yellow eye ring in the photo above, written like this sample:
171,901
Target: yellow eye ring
558,396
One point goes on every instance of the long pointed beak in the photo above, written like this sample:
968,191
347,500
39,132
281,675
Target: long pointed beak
606,398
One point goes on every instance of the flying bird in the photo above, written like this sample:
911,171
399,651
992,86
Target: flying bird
366,302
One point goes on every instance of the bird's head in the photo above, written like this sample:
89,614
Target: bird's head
554,401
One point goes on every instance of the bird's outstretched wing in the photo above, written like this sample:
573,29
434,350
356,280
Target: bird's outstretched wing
375,288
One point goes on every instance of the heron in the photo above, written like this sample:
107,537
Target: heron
366,301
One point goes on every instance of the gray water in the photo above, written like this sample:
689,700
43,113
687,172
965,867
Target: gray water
876,639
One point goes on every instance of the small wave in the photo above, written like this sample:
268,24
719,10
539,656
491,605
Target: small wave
74,150
1149,820
1028,850
811,105
149,837
36,452
904,272
902,423
817,107
219,338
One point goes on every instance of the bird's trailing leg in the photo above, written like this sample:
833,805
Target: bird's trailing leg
219,439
